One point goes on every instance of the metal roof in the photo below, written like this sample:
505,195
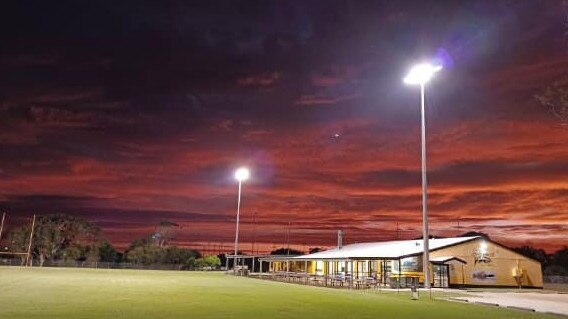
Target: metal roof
445,259
383,250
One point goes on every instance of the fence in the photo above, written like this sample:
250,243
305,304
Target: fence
88,264
555,279
552,281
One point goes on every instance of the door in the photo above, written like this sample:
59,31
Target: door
441,276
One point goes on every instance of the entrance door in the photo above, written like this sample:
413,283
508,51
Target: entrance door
441,276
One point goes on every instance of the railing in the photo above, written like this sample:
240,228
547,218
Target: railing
337,281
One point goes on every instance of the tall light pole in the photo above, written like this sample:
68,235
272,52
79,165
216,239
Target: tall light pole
242,174
419,75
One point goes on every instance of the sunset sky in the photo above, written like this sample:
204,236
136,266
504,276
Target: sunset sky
130,113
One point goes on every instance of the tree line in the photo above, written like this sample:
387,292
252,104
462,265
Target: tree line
555,264
61,237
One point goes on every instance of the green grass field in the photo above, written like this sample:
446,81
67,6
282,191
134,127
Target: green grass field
90,293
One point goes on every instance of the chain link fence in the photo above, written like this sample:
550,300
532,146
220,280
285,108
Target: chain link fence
558,283
556,279
88,264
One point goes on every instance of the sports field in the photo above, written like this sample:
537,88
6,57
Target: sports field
92,293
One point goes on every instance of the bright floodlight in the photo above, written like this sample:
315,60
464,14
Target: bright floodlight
242,174
483,247
421,73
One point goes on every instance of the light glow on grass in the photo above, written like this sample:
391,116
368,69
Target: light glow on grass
99,293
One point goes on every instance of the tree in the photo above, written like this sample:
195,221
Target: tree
222,258
145,255
57,232
164,233
19,240
177,255
211,262
560,258
59,236
286,251
555,98
474,233
534,253
555,270
315,250
109,254
71,253
190,263
140,242
146,252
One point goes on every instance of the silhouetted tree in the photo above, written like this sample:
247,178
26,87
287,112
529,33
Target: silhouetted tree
429,236
286,251
178,255
474,233
107,253
315,250
164,233
555,270
560,258
534,253
140,242
147,253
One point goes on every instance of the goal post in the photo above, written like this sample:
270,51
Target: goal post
26,254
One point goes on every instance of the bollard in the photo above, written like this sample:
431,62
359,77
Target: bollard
415,294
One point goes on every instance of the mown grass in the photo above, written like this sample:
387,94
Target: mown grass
98,293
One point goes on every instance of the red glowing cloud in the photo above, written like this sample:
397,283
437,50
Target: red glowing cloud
151,127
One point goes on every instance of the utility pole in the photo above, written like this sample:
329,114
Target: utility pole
253,231
458,226
397,237
288,240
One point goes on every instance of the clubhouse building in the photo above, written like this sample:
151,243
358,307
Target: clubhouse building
454,262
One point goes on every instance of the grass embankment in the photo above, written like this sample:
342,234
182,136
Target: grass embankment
91,293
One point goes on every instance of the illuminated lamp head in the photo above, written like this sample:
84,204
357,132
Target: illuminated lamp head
242,174
421,73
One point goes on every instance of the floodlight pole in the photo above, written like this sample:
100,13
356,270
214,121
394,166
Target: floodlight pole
420,74
237,231
425,235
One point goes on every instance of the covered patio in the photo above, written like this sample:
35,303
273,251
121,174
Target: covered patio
396,264
341,273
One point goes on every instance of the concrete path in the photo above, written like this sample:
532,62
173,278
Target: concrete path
556,303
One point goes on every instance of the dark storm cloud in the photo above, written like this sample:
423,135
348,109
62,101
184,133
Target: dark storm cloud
96,208
32,203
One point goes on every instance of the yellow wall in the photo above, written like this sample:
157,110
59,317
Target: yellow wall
278,266
498,270
295,266
312,267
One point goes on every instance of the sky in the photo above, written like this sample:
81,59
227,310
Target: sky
129,113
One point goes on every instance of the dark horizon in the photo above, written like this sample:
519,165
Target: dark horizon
130,113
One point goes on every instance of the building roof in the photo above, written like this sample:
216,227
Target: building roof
383,250
445,259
